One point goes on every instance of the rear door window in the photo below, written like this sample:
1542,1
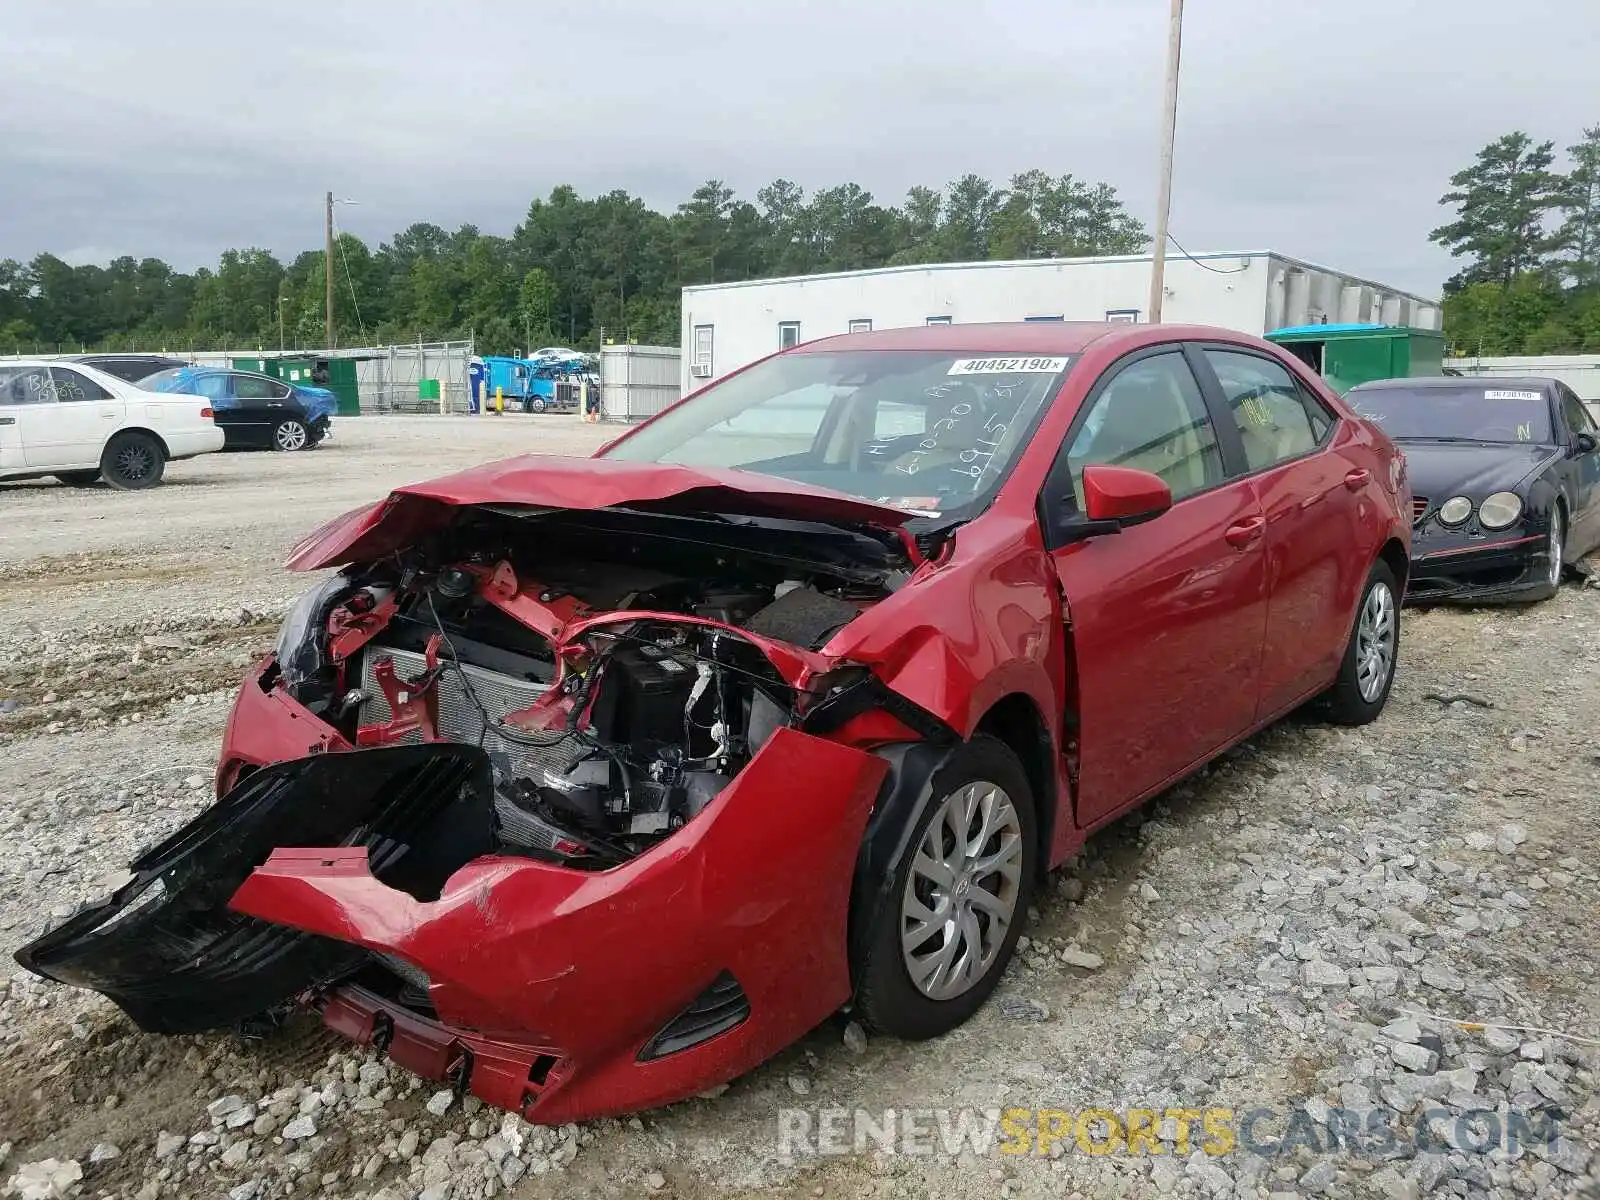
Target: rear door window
75,387
1276,418
249,387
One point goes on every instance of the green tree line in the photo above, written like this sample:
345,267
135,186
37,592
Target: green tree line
1530,233
575,266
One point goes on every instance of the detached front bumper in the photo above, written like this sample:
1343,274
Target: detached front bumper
1485,570
559,993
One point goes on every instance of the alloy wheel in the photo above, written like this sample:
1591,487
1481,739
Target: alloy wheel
134,461
962,890
1375,642
291,436
1556,547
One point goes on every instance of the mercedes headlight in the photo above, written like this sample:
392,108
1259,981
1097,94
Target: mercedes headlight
1499,510
1455,510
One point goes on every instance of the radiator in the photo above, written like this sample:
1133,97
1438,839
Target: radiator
461,721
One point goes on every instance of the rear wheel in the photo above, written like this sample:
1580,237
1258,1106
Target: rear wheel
961,891
79,479
290,434
132,461
1367,672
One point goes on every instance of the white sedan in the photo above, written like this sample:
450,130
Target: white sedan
82,425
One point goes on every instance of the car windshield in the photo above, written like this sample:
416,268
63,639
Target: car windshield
1475,412
935,432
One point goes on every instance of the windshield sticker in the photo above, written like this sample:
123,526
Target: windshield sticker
1510,395
1007,366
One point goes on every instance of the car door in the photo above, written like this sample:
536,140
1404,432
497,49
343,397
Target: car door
1165,618
24,393
1278,437
262,403
70,430
1584,534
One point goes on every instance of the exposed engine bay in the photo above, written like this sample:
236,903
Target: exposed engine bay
617,667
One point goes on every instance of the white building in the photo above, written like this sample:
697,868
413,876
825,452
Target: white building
726,325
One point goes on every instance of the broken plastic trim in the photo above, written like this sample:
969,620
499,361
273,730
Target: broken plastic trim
168,950
842,695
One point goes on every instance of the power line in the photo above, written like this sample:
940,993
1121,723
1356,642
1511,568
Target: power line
1200,263
351,284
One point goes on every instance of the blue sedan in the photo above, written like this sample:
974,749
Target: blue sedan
254,411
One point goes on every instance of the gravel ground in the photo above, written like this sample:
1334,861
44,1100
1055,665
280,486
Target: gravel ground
1281,933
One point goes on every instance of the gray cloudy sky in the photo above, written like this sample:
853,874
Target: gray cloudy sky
1328,131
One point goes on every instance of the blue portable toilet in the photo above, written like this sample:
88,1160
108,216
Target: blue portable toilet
475,376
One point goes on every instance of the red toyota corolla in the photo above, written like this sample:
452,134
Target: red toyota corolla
589,784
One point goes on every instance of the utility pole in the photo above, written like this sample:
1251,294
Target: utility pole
327,267
280,320
1169,134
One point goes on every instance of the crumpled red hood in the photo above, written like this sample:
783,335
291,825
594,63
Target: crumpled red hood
556,481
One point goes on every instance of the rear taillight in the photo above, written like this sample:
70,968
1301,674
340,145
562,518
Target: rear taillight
207,415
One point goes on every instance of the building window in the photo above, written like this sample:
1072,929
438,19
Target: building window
1122,316
700,365
788,334
938,320
861,325
1057,317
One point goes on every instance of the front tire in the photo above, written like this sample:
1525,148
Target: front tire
79,479
960,894
133,461
1555,548
291,435
1367,671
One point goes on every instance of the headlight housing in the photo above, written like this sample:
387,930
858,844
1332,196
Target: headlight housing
1455,511
302,642
1499,510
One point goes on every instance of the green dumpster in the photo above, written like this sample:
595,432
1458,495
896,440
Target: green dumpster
338,375
1346,355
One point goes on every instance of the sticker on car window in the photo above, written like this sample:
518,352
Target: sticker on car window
1513,394
1007,366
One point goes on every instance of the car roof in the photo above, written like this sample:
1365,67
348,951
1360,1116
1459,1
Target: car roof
134,354
1528,382
1017,337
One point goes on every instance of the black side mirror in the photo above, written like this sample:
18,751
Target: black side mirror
1584,443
